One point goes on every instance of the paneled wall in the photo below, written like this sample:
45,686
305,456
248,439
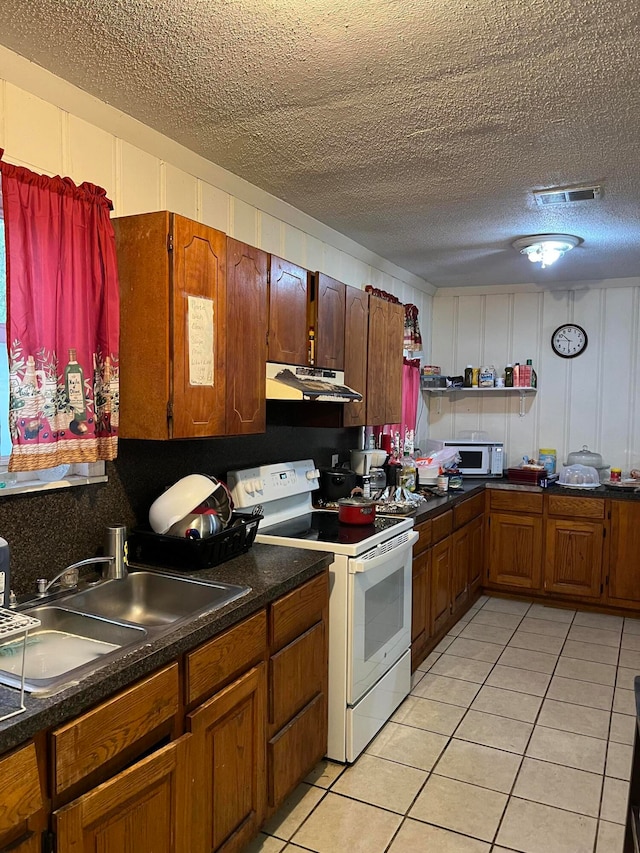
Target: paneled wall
593,399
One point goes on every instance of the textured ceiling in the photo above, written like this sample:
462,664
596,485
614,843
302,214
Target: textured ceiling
419,129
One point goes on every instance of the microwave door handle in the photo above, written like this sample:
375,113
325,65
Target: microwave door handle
356,566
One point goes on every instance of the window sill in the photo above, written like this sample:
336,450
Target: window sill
23,487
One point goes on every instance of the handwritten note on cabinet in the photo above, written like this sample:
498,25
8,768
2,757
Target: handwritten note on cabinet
200,341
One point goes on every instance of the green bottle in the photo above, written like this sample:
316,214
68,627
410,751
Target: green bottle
74,386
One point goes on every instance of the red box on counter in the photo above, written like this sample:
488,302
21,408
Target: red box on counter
529,477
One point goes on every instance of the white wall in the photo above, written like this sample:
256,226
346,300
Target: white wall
593,399
52,127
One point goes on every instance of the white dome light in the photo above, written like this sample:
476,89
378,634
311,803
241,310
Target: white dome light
545,249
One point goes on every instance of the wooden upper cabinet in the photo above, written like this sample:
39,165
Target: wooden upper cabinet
384,367
356,326
247,325
173,332
288,319
329,321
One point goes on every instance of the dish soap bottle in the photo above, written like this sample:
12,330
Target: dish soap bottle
5,576
408,472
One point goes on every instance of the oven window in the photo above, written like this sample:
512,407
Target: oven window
383,612
471,459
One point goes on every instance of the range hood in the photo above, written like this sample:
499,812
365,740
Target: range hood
292,382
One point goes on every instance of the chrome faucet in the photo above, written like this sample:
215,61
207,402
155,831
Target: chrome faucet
115,563
69,577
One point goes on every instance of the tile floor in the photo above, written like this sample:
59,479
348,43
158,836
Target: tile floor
517,736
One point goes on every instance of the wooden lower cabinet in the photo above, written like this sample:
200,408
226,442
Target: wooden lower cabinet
22,816
420,611
441,567
573,557
623,571
228,765
461,558
146,807
298,686
515,551
476,555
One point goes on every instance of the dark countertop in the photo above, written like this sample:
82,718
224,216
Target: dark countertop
270,571
437,505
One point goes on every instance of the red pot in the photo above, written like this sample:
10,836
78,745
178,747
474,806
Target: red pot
356,511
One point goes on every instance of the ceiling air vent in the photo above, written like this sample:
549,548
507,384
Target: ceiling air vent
565,196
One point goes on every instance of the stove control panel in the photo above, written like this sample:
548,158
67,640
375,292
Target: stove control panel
252,486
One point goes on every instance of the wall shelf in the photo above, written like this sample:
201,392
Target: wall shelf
440,392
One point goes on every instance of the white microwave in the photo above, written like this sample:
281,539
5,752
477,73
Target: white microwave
477,458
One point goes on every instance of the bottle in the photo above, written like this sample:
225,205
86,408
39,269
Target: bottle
312,346
508,376
475,377
616,475
5,574
74,386
516,375
487,377
468,376
408,472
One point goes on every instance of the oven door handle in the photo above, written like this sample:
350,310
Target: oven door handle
383,557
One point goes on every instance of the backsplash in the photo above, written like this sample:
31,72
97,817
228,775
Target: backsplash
50,530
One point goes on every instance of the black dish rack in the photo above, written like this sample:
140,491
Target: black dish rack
177,552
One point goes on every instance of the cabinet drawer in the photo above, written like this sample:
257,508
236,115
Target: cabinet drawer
424,537
218,661
578,507
298,673
465,511
296,749
442,525
509,501
85,744
20,793
294,613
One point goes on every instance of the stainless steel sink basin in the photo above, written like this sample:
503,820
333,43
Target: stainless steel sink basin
83,631
152,599
65,648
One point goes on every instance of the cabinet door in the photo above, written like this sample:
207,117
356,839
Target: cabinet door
288,326
199,330
441,565
461,545
330,308
356,326
393,355
228,793
476,553
573,557
624,554
142,245
21,799
377,362
515,550
420,606
147,807
247,309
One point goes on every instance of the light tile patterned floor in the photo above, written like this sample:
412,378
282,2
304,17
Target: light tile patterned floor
517,736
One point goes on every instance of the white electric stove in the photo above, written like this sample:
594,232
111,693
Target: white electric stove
370,598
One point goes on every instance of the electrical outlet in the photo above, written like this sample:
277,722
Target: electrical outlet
334,460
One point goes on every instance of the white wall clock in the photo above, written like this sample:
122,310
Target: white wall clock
569,340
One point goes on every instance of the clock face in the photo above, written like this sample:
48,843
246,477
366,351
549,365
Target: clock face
569,340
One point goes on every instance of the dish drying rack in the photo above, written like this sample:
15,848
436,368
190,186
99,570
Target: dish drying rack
11,625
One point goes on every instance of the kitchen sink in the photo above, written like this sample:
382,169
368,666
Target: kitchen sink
83,630
65,648
152,599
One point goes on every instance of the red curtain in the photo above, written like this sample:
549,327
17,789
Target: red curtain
62,320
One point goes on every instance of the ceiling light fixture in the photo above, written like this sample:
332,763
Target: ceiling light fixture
545,249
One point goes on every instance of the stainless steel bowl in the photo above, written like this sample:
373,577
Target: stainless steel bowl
197,525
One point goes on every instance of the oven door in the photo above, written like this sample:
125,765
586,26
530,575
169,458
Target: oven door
379,613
